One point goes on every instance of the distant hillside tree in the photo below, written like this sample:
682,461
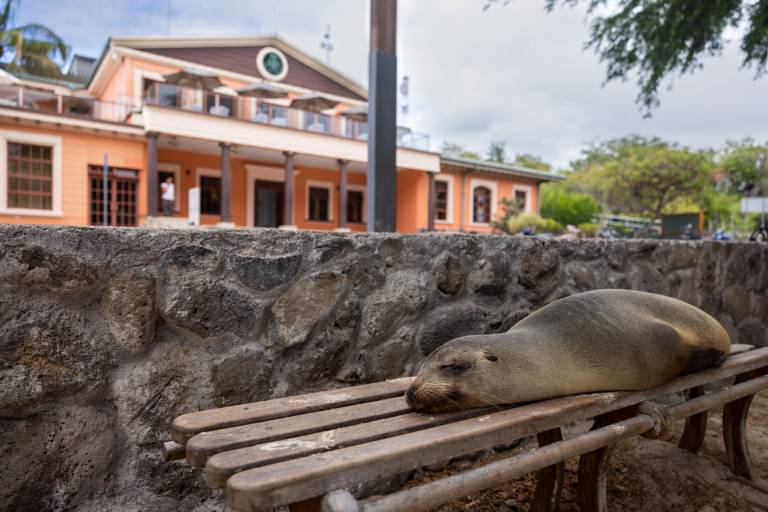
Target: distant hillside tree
497,152
650,40
531,162
744,167
453,150
33,48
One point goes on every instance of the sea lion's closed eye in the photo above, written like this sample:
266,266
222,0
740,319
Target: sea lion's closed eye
456,366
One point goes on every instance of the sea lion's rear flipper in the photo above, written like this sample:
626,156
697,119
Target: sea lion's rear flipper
703,358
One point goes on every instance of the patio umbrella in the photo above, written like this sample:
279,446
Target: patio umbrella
196,78
314,102
262,90
359,114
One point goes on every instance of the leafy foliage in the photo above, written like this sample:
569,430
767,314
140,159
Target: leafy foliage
451,149
744,167
565,206
654,39
534,222
497,152
531,162
33,48
644,176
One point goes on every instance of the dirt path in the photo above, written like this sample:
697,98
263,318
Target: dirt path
653,476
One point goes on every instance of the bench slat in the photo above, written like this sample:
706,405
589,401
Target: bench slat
303,478
223,465
202,446
187,425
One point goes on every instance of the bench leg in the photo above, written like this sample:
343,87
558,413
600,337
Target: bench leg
735,430
695,426
549,481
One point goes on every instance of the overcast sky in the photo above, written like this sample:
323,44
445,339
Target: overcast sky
516,73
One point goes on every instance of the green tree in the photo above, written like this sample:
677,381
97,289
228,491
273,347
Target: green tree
531,162
32,47
497,152
650,40
744,167
567,207
453,150
644,176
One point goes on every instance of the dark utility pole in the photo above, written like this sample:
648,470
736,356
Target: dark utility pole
382,112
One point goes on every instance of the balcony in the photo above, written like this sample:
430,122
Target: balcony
259,111
46,102
197,100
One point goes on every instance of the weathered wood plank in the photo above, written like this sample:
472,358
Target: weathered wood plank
735,429
187,425
695,426
223,465
549,481
201,447
311,476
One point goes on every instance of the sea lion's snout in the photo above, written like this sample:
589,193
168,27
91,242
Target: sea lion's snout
409,396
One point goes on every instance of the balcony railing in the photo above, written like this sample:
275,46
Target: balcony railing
197,100
51,103
264,112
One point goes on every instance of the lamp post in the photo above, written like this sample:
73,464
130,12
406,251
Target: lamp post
382,117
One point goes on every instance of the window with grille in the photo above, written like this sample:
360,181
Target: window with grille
113,201
319,202
441,200
481,205
521,197
30,176
210,195
355,206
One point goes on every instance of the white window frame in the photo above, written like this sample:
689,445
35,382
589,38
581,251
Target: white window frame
54,142
319,184
138,83
449,207
360,188
176,170
206,171
260,173
528,192
491,185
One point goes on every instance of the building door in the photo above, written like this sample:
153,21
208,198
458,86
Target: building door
268,212
120,204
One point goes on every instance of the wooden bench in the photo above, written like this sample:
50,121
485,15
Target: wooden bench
306,451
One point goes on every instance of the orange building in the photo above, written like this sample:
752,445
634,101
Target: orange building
251,130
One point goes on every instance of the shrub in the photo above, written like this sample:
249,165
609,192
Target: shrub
589,229
565,206
518,223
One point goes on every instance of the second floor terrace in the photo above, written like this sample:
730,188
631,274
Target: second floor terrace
349,124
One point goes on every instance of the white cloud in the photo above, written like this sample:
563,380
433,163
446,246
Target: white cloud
513,73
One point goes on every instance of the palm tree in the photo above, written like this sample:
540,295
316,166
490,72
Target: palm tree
35,47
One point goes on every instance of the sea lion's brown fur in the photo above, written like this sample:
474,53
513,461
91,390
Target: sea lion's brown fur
604,340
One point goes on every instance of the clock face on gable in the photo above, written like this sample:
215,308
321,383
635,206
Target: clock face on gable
272,63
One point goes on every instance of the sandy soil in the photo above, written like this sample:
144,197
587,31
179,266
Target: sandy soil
652,476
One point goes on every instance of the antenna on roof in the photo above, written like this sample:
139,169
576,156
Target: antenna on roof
326,45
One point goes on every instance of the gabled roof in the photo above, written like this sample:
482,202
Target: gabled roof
238,55
493,167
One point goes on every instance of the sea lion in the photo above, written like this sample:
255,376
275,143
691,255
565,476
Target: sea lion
603,340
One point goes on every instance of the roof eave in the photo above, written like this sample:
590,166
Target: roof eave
501,169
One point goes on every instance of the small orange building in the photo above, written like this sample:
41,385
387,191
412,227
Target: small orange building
263,134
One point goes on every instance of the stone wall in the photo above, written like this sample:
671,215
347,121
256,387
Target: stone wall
107,334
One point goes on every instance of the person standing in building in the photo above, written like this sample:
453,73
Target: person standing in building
168,195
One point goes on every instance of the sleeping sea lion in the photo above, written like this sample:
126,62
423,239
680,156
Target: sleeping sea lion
603,340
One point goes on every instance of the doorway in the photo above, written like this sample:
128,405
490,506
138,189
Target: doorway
268,211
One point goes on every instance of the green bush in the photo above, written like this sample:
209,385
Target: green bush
588,228
565,206
518,223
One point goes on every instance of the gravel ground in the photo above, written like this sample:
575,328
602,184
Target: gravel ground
650,476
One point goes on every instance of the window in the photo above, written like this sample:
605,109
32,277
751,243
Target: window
441,200
481,205
120,200
30,176
210,195
319,202
226,105
355,206
521,199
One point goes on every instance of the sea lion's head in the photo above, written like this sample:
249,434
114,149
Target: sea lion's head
458,375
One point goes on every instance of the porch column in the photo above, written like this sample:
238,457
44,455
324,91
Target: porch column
431,208
538,198
153,184
463,200
288,190
343,164
226,182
